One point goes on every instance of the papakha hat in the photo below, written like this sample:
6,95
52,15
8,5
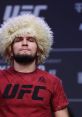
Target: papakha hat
24,25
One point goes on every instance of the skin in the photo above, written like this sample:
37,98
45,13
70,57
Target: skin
25,46
28,46
62,113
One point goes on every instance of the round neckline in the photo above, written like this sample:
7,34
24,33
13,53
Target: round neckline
18,72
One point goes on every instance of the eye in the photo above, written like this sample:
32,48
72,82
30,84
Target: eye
18,39
31,39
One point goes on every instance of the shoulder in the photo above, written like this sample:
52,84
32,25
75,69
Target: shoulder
49,76
5,71
53,82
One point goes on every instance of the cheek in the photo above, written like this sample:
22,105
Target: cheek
15,48
35,48
32,46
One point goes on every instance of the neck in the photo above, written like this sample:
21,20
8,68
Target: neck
24,68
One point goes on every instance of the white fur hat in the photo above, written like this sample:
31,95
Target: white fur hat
23,25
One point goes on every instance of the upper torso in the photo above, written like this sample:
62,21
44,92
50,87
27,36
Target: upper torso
27,94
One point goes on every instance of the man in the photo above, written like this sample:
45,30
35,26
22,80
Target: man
25,90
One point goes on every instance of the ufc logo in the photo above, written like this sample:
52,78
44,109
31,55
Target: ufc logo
11,11
78,7
80,27
18,91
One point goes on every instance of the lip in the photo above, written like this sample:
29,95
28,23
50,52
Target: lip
25,49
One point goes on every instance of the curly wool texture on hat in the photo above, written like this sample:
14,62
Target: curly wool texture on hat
25,25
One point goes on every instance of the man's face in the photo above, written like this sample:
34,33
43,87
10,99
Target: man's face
24,50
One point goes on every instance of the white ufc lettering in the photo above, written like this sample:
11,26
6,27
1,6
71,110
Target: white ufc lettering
12,11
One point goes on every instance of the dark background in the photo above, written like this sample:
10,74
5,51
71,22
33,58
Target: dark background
65,61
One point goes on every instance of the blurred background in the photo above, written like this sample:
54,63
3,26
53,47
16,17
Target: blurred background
65,60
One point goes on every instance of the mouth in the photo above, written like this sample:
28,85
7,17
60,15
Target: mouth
25,49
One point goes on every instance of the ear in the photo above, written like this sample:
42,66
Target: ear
11,51
37,53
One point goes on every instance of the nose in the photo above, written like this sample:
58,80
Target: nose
24,41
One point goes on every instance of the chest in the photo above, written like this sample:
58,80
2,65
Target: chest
25,91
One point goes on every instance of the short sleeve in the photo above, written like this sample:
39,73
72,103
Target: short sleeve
59,99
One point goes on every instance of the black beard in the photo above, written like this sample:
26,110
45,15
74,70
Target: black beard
24,59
